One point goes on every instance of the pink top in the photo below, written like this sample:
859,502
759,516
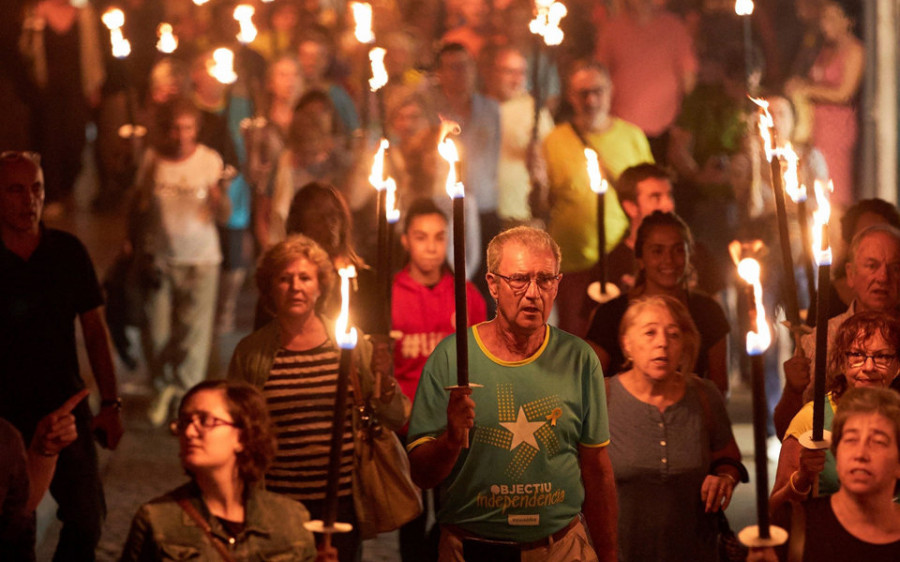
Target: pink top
647,63
835,128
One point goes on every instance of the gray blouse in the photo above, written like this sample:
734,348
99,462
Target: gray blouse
660,460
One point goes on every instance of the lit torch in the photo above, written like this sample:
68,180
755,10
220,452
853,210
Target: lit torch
744,9
345,337
822,254
545,26
457,192
221,66
168,42
797,192
114,19
362,18
599,186
791,306
384,233
243,13
759,337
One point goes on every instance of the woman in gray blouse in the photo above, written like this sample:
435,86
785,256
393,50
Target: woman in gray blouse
668,428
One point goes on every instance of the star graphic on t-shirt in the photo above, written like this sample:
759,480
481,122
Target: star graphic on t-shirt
522,430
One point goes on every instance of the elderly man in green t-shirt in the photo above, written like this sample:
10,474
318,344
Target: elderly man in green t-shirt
526,474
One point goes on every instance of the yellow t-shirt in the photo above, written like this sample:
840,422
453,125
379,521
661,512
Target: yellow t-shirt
573,215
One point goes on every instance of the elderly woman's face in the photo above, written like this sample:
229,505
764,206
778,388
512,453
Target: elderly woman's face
871,361
867,455
655,343
207,437
297,290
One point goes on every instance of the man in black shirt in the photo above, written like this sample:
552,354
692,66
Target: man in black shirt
46,281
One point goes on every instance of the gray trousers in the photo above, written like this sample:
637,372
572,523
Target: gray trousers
178,322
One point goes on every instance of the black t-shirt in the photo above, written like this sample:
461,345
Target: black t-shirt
621,262
826,538
39,301
708,316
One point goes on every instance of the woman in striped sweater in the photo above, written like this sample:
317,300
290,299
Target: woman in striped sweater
294,361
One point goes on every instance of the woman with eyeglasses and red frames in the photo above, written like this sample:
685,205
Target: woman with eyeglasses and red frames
226,443
864,354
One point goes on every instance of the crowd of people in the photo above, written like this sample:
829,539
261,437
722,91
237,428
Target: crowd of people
596,426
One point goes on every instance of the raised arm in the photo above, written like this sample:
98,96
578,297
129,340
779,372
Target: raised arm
432,461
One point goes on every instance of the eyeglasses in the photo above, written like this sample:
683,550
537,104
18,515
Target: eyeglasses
881,360
519,282
201,420
13,155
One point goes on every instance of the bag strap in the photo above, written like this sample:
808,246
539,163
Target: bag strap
695,381
357,389
189,508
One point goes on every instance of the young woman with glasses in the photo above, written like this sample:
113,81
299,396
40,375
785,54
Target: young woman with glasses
226,442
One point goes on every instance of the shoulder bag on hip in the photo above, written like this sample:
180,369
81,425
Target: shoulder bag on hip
387,498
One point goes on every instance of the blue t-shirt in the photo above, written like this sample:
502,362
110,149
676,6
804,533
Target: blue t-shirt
520,478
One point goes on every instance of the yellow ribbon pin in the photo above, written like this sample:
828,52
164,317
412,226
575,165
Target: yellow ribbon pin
554,415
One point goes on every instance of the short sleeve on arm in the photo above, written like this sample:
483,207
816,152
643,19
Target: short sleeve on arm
429,414
801,423
595,425
81,277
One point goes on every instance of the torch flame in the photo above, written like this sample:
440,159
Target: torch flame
221,66
390,208
792,186
598,184
243,13
766,124
362,16
200,2
447,150
743,7
344,335
114,19
547,17
167,41
379,72
758,341
821,216
376,178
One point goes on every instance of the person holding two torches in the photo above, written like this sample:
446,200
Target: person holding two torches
294,360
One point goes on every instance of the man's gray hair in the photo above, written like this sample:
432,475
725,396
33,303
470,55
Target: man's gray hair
532,238
885,228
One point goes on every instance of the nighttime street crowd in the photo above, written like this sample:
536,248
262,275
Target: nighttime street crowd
508,258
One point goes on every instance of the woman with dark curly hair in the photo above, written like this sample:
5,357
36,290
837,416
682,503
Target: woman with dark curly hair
226,444
864,354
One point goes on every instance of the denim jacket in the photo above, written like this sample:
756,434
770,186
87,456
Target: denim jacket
273,530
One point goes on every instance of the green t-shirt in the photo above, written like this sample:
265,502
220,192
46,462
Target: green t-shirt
520,478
